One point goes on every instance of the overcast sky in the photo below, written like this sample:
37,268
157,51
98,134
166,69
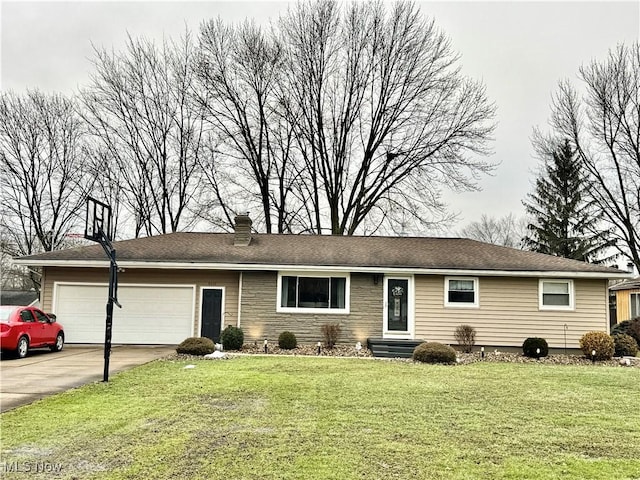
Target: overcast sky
520,50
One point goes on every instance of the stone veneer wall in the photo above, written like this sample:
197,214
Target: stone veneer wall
259,319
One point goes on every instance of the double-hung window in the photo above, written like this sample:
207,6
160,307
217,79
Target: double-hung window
313,294
461,292
635,305
556,294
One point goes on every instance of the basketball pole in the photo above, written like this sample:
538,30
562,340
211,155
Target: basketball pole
113,299
99,214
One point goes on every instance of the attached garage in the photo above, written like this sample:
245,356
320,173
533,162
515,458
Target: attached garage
150,314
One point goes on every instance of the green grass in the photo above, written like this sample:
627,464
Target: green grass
297,418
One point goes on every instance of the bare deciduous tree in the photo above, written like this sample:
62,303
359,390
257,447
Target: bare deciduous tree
12,277
507,231
110,186
345,118
139,108
382,115
604,126
241,72
43,181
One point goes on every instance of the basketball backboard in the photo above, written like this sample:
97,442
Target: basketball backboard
98,220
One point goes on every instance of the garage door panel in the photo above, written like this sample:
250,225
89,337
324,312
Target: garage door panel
149,314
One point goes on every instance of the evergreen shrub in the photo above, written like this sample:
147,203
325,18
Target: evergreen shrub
433,352
287,341
232,338
628,327
532,344
196,346
624,345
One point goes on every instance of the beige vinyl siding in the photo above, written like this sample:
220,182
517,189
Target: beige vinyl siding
46,294
623,304
260,319
509,312
199,278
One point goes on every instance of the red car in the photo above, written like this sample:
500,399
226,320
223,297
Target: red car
22,328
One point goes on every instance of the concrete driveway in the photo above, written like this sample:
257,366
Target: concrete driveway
44,373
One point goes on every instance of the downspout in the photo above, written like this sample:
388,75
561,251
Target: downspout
239,299
607,306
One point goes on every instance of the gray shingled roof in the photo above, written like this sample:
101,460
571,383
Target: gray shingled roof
627,285
18,297
323,250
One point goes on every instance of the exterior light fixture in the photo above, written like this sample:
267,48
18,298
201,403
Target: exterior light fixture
481,352
319,347
538,353
593,356
266,346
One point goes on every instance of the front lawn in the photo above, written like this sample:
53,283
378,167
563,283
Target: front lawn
299,418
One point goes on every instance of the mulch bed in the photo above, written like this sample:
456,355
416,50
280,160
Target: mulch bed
502,357
337,351
463,358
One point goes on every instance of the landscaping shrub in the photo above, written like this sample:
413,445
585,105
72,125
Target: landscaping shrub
232,338
465,335
532,344
628,327
625,345
196,346
433,352
287,341
634,329
601,342
331,332
622,327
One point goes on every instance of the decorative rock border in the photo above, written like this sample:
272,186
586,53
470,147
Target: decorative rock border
463,358
309,350
504,357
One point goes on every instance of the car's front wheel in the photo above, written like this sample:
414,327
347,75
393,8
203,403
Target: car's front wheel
59,343
23,347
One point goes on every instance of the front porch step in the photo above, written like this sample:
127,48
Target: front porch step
392,348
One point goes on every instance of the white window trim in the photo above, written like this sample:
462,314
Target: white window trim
631,294
476,293
325,311
572,295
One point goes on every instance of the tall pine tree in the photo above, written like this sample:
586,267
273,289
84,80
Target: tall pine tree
564,221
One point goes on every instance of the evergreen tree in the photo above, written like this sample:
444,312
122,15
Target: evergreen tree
564,220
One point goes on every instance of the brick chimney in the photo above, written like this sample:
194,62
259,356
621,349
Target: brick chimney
242,230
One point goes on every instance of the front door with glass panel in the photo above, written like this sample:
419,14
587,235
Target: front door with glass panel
397,312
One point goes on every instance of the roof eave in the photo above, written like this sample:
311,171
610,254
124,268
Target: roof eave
324,268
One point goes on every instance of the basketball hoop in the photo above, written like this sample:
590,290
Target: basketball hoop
98,220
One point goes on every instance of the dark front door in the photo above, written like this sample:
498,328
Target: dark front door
398,304
211,309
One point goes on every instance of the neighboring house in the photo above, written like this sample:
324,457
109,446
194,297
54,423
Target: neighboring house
19,297
177,285
627,299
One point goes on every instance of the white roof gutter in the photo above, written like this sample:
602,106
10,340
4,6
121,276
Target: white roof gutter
319,268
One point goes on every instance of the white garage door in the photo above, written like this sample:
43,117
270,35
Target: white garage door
155,314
